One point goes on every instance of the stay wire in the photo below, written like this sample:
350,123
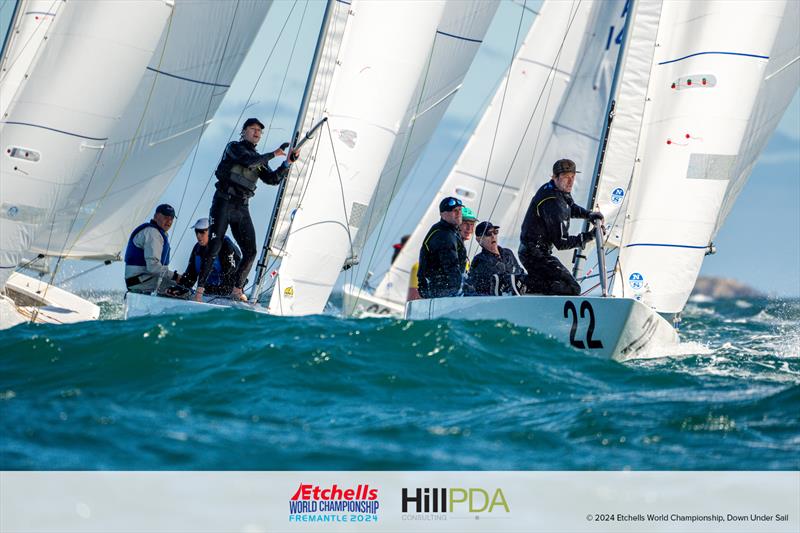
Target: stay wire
241,113
208,109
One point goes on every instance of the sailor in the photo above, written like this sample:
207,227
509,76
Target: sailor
443,257
494,270
399,247
467,226
222,278
147,255
546,225
237,174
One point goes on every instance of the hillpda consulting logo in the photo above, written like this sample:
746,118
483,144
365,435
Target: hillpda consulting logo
441,503
312,503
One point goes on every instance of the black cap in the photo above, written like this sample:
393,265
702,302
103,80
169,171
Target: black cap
449,204
166,210
484,227
250,121
564,165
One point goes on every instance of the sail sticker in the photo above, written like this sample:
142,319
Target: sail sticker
288,292
348,137
357,212
683,140
617,195
636,281
23,153
694,81
13,211
465,193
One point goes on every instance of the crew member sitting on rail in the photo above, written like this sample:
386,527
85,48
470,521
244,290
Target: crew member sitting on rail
443,257
494,270
546,225
147,255
223,273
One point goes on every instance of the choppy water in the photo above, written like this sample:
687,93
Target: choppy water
237,390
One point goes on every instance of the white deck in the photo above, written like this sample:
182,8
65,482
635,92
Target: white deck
29,299
137,304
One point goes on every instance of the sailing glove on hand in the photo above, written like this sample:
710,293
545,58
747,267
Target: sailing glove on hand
284,146
294,156
586,236
594,216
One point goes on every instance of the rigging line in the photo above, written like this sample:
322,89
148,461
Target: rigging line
279,250
30,38
502,105
208,108
301,174
241,113
286,73
341,188
399,167
119,168
551,78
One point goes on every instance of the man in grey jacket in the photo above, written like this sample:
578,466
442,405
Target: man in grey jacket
147,255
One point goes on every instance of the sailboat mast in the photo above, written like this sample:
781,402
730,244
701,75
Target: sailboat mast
579,258
312,75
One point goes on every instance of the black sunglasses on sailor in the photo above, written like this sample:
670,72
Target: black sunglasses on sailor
490,232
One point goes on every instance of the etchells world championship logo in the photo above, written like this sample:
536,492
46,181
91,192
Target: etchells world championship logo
312,503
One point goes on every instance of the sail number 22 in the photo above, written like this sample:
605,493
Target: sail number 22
569,308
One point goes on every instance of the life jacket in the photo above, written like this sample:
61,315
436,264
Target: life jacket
245,177
215,277
135,255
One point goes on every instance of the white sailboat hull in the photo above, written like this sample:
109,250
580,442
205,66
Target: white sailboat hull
137,305
617,328
360,302
29,299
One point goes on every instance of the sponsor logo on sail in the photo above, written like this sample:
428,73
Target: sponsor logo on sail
315,503
636,281
617,195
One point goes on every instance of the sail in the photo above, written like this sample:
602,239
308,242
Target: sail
176,97
51,137
385,50
457,39
555,92
720,76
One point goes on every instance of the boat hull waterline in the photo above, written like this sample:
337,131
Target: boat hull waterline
616,328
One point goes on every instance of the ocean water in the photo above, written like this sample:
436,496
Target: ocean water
233,390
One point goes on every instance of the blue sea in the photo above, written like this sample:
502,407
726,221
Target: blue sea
234,390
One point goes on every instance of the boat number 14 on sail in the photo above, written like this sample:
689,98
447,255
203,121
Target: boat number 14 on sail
569,307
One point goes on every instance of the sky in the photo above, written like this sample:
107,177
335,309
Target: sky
759,244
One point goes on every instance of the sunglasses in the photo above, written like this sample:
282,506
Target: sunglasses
454,202
201,231
490,233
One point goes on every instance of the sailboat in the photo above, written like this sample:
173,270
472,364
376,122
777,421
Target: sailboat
699,88
137,84
551,102
380,80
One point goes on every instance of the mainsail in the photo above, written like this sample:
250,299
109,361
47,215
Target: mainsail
52,138
370,87
552,102
177,94
702,88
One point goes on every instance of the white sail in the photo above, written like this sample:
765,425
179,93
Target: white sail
457,40
94,53
385,49
176,97
720,76
566,52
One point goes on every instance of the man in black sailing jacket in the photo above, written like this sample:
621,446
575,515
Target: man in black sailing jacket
546,225
443,257
238,174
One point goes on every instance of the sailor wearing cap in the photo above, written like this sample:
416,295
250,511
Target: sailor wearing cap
147,254
443,257
238,174
222,278
546,225
492,269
